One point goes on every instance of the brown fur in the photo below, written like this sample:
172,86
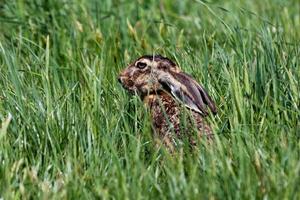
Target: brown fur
167,91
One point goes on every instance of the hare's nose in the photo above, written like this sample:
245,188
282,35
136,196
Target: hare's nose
119,80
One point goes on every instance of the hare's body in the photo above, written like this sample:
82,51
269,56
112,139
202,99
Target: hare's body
171,119
176,101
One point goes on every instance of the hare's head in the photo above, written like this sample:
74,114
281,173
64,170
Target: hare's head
153,74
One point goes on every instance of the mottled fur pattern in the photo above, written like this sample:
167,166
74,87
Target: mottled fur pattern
176,101
171,119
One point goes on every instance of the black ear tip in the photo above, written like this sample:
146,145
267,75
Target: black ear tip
214,111
213,108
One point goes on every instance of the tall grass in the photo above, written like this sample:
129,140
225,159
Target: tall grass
70,131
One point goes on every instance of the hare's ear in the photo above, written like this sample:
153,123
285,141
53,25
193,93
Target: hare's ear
186,89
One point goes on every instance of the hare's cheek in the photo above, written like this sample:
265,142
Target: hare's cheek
147,87
144,89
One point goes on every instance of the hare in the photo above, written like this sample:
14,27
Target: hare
168,91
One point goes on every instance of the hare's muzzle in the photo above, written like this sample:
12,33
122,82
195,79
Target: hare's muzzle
122,79
126,82
119,80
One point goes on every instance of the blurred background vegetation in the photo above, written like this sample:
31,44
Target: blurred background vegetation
70,131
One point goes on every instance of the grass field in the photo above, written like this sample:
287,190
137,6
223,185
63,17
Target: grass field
70,131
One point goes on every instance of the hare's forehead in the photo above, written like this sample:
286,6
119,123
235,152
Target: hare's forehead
149,62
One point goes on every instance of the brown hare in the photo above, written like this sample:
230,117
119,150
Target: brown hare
168,91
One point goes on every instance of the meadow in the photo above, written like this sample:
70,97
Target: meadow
68,130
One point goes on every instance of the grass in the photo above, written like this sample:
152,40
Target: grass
70,131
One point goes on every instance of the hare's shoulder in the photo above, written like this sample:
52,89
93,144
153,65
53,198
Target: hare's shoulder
165,112
163,102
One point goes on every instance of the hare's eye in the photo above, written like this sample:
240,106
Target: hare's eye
141,65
